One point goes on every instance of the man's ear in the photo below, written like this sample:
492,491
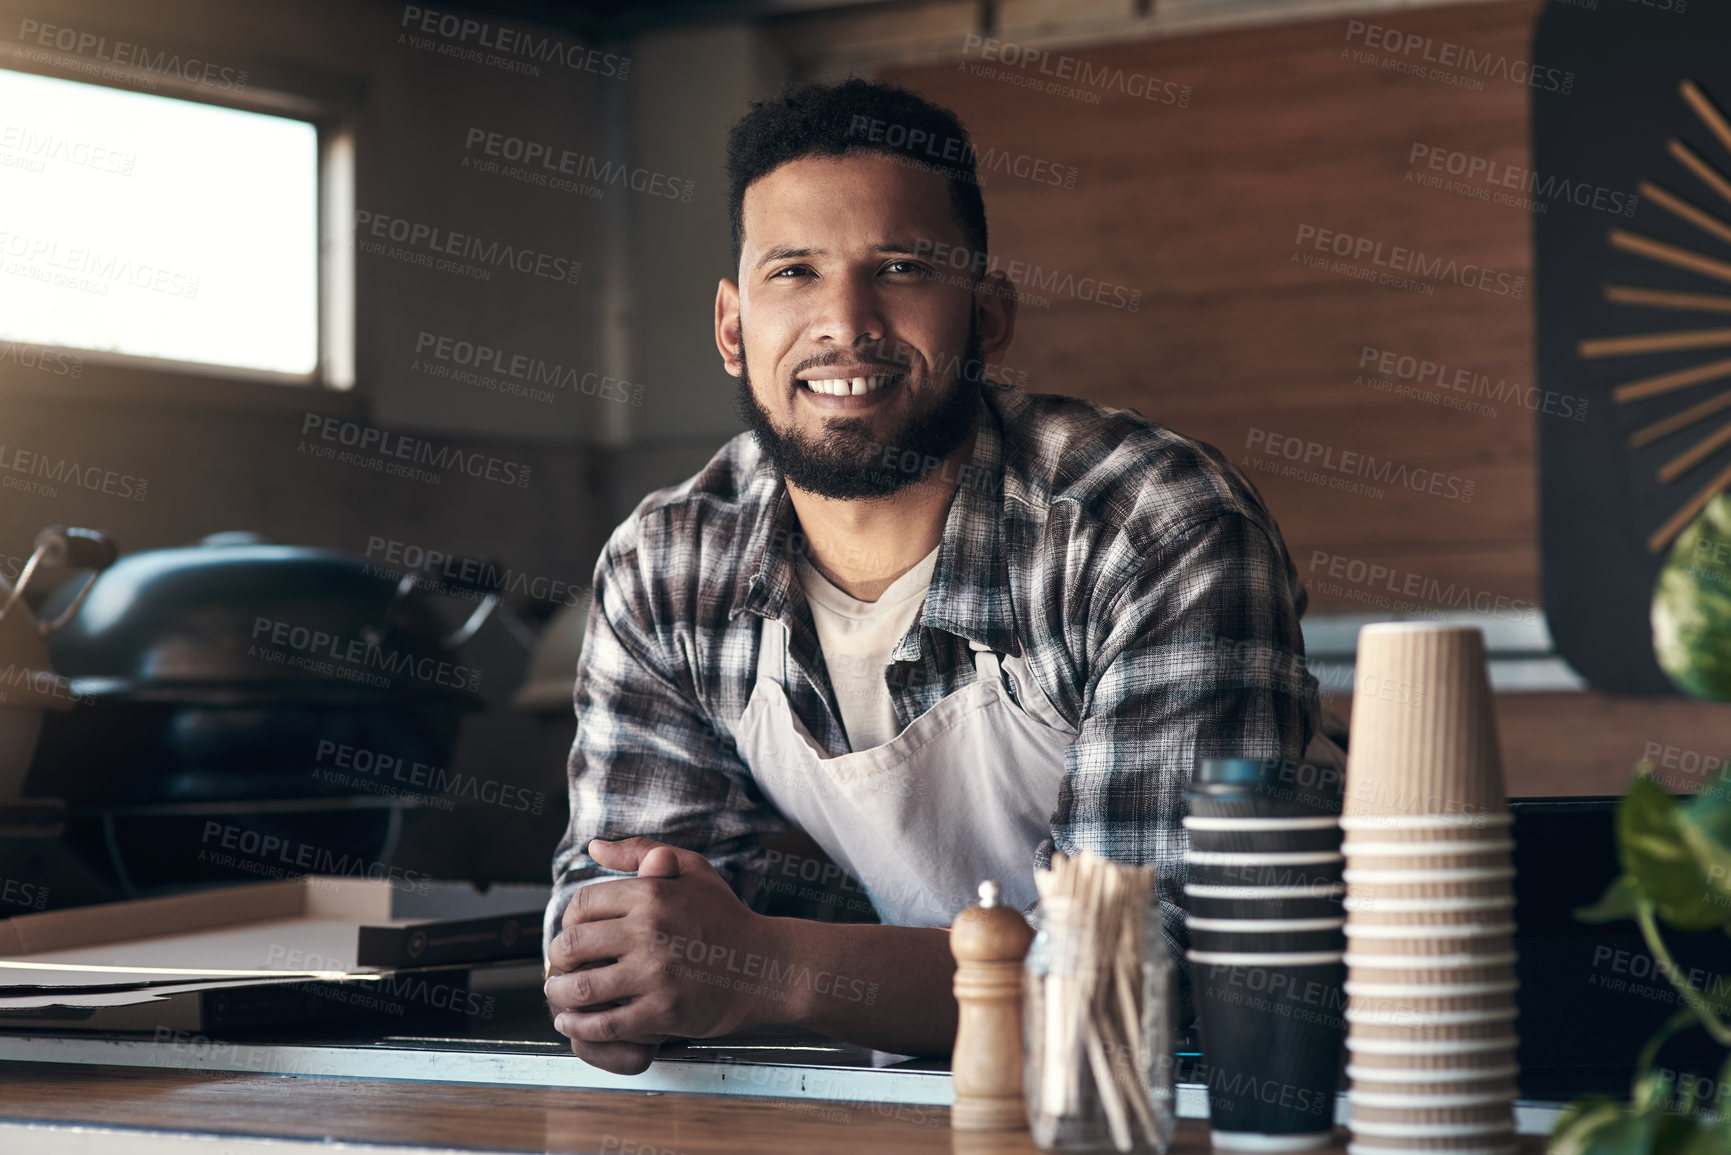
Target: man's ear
727,336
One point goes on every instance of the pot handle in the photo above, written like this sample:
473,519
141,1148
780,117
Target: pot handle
66,548
488,579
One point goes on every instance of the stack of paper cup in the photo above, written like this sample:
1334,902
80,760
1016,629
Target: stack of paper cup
1263,909
1429,899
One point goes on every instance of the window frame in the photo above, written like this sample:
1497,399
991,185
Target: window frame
332,104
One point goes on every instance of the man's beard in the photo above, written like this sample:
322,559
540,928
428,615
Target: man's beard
845,461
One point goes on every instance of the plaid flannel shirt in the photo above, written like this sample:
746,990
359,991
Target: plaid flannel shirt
1137,571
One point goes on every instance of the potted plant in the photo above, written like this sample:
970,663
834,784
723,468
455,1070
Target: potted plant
1676,859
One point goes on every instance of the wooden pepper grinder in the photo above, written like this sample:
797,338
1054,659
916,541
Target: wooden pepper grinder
989,942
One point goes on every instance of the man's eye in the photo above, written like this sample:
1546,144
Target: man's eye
914,267
799,270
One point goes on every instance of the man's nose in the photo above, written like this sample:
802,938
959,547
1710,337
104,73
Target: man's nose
848,310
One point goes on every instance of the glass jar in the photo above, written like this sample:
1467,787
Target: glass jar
1098,1046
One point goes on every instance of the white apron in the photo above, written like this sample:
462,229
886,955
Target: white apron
965,793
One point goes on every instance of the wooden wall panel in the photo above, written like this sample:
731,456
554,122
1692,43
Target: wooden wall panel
1200,206
1574,744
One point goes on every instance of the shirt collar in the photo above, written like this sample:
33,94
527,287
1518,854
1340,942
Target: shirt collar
970,590
765,554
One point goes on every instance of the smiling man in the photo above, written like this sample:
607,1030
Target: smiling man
941,627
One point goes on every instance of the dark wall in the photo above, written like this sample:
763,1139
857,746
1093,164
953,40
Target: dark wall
200,454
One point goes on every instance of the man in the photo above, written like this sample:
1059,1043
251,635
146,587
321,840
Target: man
941,627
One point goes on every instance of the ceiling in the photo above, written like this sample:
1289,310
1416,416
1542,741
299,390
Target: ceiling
620,17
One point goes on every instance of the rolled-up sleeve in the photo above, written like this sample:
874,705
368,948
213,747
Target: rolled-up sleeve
648,760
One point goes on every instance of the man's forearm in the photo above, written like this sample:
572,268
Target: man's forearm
884,987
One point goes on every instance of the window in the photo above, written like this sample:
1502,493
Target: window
142,226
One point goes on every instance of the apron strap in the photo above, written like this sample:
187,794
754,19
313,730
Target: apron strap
772,651
990,666
987,664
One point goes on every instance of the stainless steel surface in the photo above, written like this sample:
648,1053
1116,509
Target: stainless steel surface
517,1046
736,1071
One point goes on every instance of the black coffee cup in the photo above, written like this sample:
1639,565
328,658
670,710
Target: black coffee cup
1209,832
1265,787
1272,1040
1204,868
1253,936
1270,902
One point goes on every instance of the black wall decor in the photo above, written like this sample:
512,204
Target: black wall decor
1633,311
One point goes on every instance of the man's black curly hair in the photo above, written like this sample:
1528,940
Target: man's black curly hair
855,115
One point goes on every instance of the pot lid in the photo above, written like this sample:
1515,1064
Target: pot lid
235,610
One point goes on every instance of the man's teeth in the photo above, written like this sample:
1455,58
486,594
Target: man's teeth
845,386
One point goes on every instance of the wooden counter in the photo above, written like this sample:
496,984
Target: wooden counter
485,1118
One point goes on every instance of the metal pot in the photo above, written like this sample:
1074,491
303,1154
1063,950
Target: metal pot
217,671
29,686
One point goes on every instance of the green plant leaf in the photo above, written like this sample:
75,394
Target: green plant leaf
1586,1127
1715,860
1706,824
1653,849
1649,1093
1712,803
1713,1139
1620,901
1681,1021
1674,1134
1630,1135
1691,604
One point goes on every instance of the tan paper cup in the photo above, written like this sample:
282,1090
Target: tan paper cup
1417,1014
1493,823
1427,921
1375,886
1414,1052
1435,982
1481,1029
1431,880
1435,1134
1466,966
1440,1147
1374,844
1414,1109
1422,1004
1453,1125
1433,925
1437,1122
1377,956
1487,1145
1424,731
1440,1078
1388,1092
1472,938
1449,911
1462,1066
1426,856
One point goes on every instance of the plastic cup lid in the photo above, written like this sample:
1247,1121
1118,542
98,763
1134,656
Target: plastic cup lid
1233,771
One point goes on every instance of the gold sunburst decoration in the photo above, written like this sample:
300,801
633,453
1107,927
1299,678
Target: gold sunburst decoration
1679,340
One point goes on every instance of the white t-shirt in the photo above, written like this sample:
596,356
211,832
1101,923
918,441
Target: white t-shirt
857,639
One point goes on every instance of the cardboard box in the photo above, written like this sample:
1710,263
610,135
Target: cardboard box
252,955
